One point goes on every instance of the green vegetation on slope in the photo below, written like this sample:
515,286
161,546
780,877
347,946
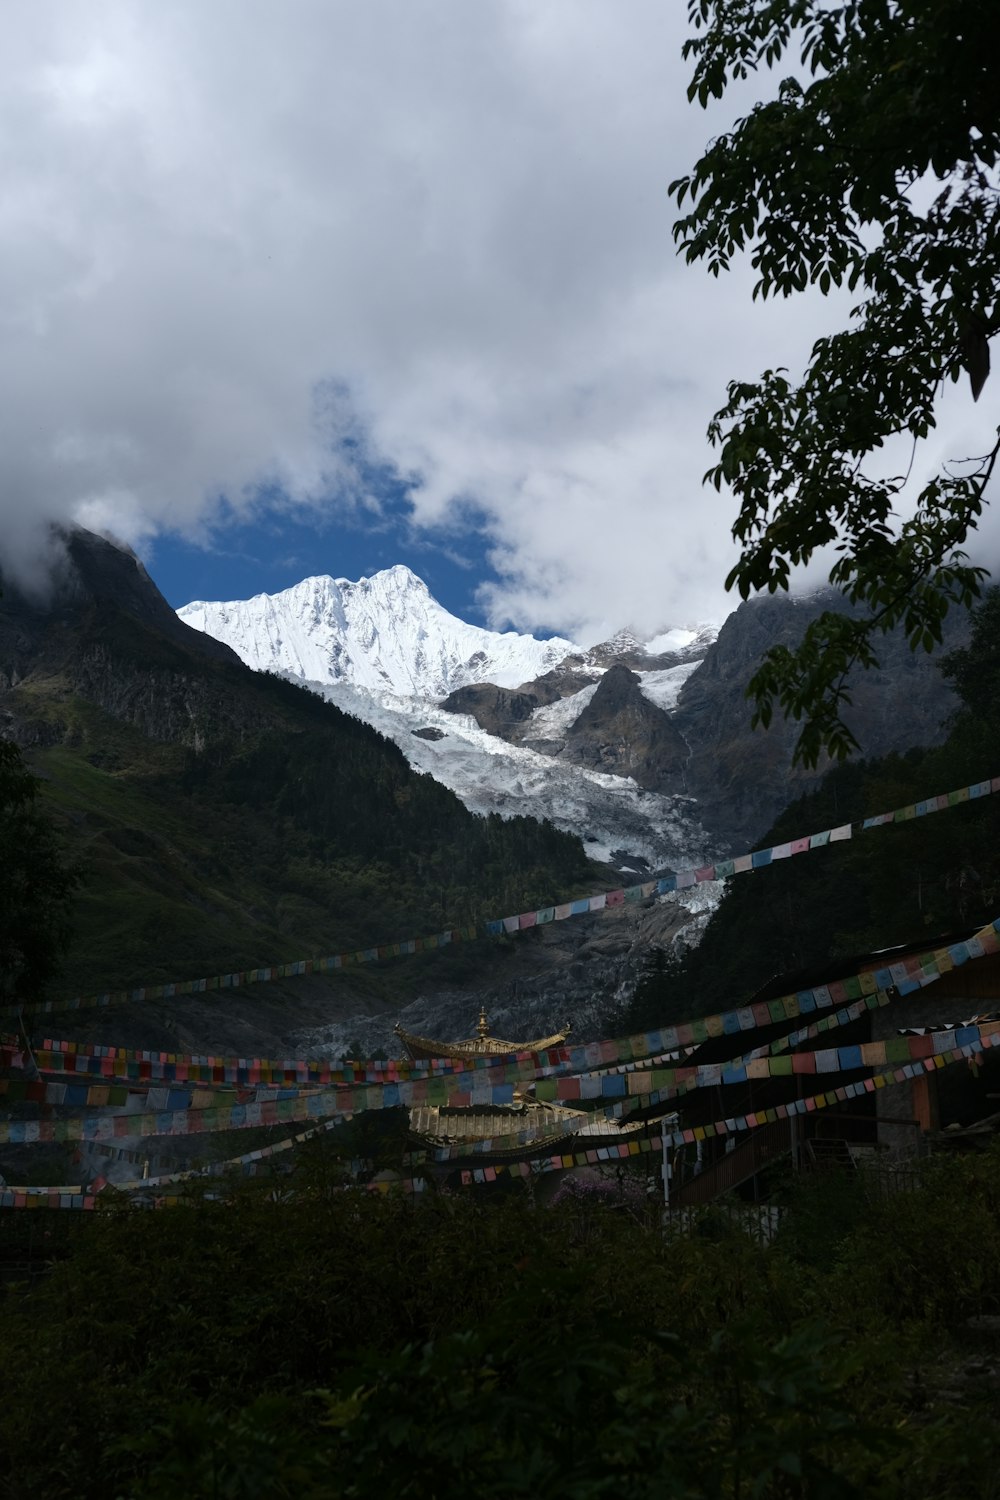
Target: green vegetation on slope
303,833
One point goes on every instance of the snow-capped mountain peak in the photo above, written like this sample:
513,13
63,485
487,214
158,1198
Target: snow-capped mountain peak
383,633
384,649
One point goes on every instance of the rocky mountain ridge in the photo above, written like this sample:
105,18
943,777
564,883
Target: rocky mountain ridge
667,717
683,727
383,633
492,736
741,778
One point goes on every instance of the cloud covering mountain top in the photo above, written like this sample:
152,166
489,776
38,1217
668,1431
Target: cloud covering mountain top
253,255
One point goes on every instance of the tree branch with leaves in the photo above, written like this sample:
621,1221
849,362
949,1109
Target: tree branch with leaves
874,168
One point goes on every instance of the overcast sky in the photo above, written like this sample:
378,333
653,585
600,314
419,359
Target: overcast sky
320,286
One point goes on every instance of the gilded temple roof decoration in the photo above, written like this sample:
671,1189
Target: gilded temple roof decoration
480,1045
528,1125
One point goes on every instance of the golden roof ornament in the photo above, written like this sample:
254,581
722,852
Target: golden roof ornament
480,1045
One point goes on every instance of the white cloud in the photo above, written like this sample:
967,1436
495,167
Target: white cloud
213,216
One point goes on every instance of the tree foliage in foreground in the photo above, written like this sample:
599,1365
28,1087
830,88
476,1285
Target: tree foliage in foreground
335,1344
874,168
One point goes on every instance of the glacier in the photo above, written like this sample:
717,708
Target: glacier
620,824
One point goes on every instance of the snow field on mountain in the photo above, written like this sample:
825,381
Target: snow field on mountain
384,633
671,640
663,688
552,720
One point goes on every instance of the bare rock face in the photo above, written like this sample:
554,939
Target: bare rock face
621,732
584,972
743,777
507,712
500,710
703,745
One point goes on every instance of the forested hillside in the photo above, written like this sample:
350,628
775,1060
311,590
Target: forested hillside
223,819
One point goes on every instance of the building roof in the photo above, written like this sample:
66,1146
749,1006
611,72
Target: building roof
451,1127
481,1045
826,970
528,1123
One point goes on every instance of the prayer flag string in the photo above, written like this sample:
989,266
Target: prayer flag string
482,1089
488,1080
500,926
604,1153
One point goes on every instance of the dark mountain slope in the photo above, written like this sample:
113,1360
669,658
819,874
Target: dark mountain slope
226,819
742,777
895,884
